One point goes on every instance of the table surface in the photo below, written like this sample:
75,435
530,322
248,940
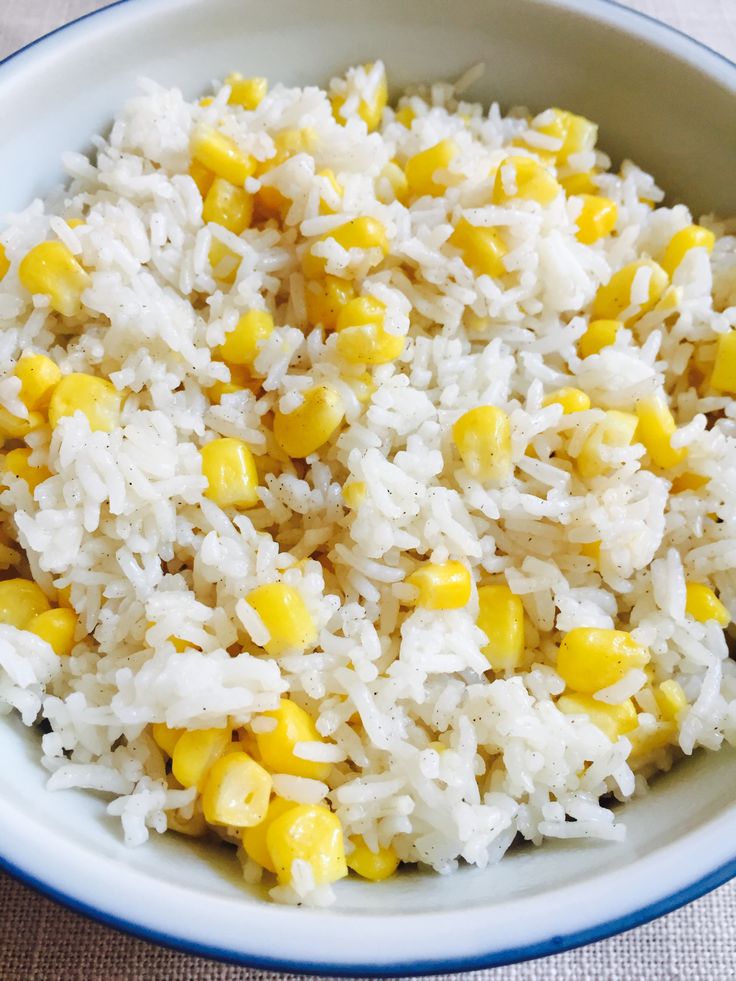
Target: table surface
40,941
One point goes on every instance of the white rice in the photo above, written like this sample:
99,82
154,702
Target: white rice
429,752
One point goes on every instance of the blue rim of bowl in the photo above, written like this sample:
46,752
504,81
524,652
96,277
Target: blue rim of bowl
555,944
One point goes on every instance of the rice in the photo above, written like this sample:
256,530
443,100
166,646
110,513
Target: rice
422,747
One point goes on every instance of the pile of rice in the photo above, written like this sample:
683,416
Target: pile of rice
124,523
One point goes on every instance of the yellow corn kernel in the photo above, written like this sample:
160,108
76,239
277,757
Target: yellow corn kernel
38,375
201,176
483,439
441,585
691,237
421,168
405,116
221,155
240,380
325,298
353,493
194,826
578,134
232,479
254,838
688,482
571,400
246,92
51,269
369,110
20,601
64,597
16,462
228,205
656,426
206,100
13,427
236,791
195,752
361,336
703,604
581,183
224,262
482,249
396,177
276,747
616,430
501,618
359,233
287,143
593,658
591,550
612,299
165,738
614,720
303,431
312,834
723,378
329,175
530,180
647,741
57,628
363,386
4,261
597,218
242,343
671,700
600,334
371,865
97,398
286,617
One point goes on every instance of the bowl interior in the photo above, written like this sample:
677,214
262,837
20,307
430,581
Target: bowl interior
614,68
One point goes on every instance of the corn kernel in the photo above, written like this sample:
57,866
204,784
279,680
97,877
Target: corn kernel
405,116
396,177
193,826
597,218
206,100
228,205
647,741
246,92
482,249
501,618
370,110
531,182
51,269
359,233
325,298
201,176
703,604
38,375
421,168
361,336
334,193
288,143
236,791
64,597
656,426
600,334
371,865
97,398
13,427
232,479
303,431
581,183
578,134
692,237
483,439
614,298
223,261
165,738
242,343
671,700
221,155
312,834
591,550
593,658
16,462
254,838
20,601
441,586
353,493
613,720
723,378
240,380
195,752
57,628
688,482
4,262
616,430
276,747
571,400
286,617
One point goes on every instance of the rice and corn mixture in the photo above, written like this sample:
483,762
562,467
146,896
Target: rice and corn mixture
368,477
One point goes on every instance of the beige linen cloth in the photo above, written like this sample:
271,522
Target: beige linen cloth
40,941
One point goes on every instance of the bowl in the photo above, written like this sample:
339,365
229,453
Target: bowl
602,60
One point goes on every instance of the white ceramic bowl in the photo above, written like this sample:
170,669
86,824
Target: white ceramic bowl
660,98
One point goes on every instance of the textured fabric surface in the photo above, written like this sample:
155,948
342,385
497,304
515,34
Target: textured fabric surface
40,941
